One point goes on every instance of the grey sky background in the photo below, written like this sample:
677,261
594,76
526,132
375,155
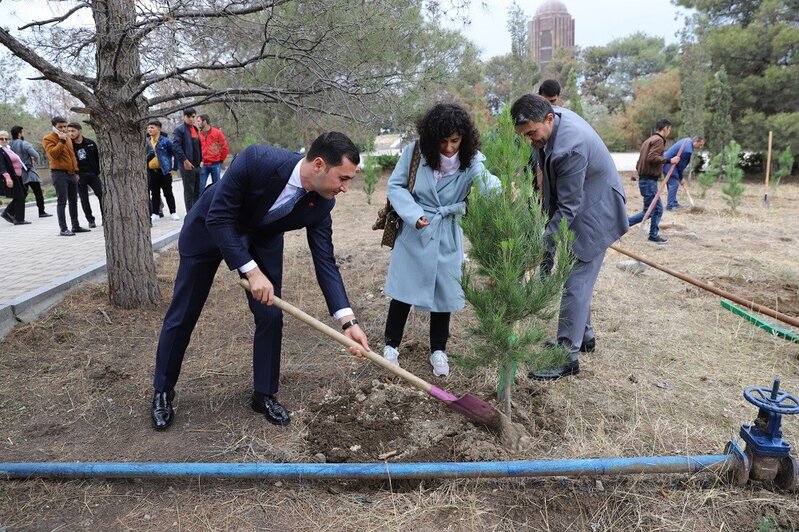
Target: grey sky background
596,22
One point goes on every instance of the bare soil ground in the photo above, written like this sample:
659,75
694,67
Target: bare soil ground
666,379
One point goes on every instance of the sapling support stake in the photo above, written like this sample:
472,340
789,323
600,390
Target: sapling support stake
768,171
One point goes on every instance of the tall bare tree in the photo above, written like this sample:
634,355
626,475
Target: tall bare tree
140,59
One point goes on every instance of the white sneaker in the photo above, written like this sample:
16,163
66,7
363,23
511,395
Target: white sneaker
440,364
174,216
391,354
154,217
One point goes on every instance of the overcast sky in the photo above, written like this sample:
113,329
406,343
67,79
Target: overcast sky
596,22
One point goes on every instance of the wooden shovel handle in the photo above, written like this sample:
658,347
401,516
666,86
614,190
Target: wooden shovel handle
790,320
346,341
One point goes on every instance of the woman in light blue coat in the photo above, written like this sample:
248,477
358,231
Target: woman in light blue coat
426,261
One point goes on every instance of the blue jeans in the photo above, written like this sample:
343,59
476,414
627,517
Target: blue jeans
674,185
214,170
648,189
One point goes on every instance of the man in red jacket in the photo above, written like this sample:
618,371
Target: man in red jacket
215,151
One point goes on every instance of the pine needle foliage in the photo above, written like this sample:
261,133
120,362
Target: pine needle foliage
711,175
733,188
784,166
371,173
513,297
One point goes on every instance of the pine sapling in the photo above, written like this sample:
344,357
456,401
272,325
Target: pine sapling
712,174
512,296
733,188
784,166
371,172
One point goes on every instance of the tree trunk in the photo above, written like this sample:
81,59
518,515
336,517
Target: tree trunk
118,122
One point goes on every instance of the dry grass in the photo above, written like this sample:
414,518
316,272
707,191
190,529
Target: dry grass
666,380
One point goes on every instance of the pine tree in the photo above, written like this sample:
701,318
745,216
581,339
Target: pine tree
784,166
733,188
512,305
693,78
573,93
720,126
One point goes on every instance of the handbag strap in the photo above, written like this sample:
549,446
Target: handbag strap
415,159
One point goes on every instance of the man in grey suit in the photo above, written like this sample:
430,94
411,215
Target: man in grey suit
581,186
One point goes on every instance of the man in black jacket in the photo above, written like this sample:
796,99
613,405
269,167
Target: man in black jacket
187,145
88,157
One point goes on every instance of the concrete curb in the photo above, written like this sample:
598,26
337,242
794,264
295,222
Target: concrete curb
30,305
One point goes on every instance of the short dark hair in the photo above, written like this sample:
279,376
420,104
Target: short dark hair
332,147
15,131
530,108
549,87
156,123
75,125
663,122
698,138
189,111
58,120
205,117
440,122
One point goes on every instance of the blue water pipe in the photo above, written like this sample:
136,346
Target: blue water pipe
382,470
766,457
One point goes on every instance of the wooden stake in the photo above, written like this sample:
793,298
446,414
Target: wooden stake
768,169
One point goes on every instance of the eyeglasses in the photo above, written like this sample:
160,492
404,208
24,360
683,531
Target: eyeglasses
3,138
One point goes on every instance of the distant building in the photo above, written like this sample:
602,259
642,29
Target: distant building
388,144
551,28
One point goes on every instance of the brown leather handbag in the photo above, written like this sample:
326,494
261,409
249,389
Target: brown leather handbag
387,218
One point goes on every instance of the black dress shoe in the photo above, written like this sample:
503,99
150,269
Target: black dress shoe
587,347
44,215
92,225
571,368
269,407
7,217
21,222
79,229
163,414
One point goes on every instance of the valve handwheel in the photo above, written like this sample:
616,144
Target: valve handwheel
772,399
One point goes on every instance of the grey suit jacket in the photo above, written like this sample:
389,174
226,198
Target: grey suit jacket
582,186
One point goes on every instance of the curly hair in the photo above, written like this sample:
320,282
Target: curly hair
440,122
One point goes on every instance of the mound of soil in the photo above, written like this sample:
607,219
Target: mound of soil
392,421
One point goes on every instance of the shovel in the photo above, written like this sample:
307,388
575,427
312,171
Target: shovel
470,406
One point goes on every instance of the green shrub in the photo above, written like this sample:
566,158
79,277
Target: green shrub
387,162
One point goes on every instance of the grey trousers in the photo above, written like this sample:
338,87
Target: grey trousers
574,320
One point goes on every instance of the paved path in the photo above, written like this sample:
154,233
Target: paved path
35,255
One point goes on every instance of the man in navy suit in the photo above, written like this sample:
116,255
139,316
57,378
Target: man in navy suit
241,220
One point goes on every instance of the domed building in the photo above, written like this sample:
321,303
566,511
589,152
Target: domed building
551,28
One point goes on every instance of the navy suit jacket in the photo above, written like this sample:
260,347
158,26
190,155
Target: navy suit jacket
229,219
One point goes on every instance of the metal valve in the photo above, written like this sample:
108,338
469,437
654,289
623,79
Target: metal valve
766,456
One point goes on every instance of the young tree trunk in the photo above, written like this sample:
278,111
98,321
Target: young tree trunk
118,122
505,387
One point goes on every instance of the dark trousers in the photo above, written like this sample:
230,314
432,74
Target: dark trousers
158,182
16,207
192,285
37,193
66,189
398,317
84,183
191,186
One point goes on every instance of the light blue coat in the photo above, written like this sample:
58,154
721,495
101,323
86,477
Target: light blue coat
425,267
